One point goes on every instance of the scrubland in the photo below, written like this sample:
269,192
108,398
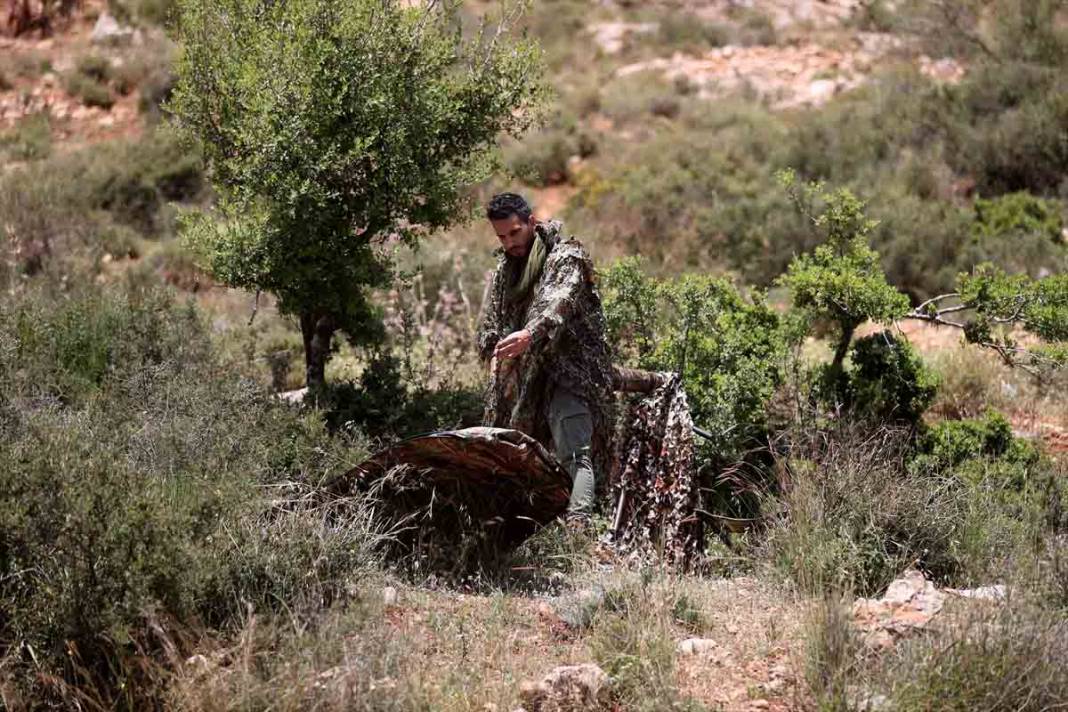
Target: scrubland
165,538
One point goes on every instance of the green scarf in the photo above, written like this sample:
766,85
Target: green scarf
520,288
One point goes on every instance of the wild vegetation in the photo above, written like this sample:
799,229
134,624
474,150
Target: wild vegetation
165,539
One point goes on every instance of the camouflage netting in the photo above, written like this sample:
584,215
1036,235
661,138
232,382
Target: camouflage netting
654,487
458,498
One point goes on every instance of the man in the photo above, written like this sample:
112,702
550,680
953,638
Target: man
543,334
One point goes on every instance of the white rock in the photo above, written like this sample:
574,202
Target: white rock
296,396
696,646
389,596
108,31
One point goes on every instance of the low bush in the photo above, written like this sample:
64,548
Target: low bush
131,491
852,515
30,139
1003,657
89,91
951,442
886,381
89,81
383,404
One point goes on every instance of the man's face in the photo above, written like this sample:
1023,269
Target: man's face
516,235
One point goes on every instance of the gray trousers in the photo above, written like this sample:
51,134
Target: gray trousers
572,429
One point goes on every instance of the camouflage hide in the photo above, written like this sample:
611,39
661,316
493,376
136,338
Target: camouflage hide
655,487
564,316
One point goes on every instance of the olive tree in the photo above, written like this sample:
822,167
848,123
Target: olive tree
334,126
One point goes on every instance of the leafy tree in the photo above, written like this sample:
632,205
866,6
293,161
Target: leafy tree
841,281
332,126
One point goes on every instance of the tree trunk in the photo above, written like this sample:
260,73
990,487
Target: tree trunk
317,330
845,339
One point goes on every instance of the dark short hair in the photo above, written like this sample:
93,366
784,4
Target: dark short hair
504,205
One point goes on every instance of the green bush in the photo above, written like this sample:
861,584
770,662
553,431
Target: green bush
29,140
729,350
382,404
130,489
887,381
962,447
852,516
89,91
1017,214
88,81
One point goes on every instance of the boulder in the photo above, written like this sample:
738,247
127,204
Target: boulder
108,31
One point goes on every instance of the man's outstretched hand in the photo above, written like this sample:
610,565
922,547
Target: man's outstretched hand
513,345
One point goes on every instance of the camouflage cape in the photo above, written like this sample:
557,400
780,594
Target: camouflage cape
564,315
655,486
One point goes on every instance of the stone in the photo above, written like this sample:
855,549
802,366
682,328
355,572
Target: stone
696,646
296,397
108,31
389,596
909,603
996,592
570,688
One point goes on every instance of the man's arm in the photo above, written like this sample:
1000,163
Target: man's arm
489,330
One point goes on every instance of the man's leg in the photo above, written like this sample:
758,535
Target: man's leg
572,429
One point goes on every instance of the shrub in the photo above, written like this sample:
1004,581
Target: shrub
948,444
89,91
729,350
29,140
887,380
89,79
852,515
382,404
1017,214
163,517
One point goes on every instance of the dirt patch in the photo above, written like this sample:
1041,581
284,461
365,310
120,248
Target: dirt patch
73,124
